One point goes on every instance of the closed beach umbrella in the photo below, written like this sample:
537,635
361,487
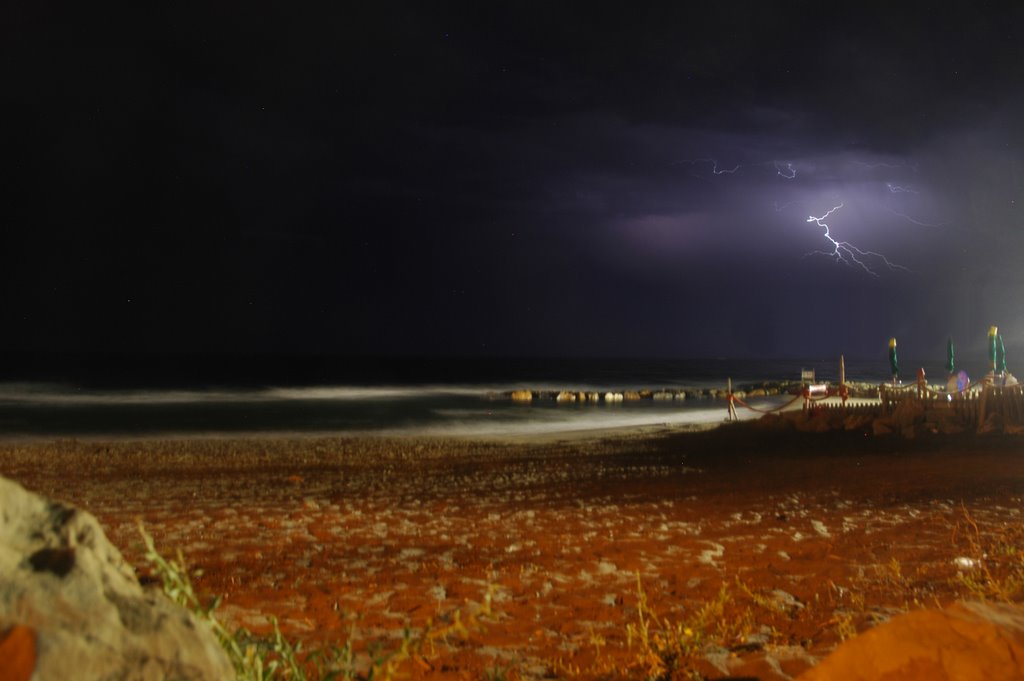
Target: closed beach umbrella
992,333
950,355
893,362
1000,356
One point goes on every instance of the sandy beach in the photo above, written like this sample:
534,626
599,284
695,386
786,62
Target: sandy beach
767,547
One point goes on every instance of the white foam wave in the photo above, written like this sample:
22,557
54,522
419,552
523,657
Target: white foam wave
345,392
59,394
548,421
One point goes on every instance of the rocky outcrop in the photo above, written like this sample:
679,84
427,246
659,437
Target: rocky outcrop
965,642
71,607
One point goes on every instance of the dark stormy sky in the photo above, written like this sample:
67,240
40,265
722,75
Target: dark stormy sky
513,178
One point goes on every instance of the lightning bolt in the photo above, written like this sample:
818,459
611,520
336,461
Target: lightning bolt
921,223
847,253
869,262
715,170
785,169
902,164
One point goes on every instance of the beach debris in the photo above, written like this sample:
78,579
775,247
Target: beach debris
711,556
438,593
965,563
783,601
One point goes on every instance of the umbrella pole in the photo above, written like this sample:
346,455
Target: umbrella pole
732,406
843,393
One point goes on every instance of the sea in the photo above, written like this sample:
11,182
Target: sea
101,396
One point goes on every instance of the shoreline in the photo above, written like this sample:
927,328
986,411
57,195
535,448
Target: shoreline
624,432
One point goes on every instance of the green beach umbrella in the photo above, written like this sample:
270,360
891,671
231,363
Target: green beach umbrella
950,356
992,333
893,362
1000,356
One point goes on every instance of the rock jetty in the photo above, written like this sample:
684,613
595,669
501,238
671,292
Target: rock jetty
570,395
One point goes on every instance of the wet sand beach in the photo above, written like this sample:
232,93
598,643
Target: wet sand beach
791,541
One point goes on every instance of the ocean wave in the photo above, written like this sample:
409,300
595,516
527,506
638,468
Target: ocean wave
551,421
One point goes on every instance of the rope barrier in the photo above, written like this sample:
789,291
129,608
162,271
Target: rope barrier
764,411
895,388
974,387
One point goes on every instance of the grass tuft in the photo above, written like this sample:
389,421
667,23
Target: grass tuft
273,657
993,567
664,649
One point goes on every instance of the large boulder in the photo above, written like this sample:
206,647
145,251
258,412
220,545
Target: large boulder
965,642
71,606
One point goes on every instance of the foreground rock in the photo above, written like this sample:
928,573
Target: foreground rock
71,607
966,642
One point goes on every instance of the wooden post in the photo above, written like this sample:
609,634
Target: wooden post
982,405
843,392
732,406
